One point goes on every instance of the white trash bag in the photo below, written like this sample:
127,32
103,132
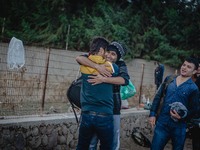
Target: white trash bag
15,57
125,104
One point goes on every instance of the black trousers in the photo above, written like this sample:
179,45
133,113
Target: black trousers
195,138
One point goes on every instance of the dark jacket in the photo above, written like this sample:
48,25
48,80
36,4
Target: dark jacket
197,82
123,72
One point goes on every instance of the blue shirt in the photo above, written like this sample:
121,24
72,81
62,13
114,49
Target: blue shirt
186,93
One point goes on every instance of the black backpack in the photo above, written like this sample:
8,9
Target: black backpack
73,95
140,138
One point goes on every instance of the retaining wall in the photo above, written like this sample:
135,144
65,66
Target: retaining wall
60,132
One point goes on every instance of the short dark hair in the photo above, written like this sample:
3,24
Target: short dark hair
97,43
194,61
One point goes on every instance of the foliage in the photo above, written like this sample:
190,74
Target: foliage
166,31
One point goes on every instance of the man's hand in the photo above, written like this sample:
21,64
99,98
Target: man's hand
152,121
96,79
174,114
103,70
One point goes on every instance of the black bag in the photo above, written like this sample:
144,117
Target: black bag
140,138
73,95
73,92
193,123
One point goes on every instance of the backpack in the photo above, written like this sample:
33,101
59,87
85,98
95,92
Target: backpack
140,138
73,92
73,95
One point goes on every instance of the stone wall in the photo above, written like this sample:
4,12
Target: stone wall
60,132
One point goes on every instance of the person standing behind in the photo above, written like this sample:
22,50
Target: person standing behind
114,54
171,123
195,131
96,107
158,74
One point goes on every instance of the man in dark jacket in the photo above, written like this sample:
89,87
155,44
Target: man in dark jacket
158,74
196,118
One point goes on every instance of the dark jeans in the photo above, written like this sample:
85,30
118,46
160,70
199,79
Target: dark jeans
163,133
101,125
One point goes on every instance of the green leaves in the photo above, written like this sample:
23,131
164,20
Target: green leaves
166,31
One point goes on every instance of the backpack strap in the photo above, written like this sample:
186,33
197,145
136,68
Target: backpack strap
163,93
166,83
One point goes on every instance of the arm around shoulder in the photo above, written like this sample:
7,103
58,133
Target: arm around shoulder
83,60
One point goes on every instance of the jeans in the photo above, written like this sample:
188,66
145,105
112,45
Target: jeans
163,133
116,136
93,143
100,125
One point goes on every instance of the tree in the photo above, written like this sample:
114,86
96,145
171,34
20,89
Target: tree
148,28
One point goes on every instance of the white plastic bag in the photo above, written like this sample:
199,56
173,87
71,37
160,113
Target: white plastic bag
15,57
125,104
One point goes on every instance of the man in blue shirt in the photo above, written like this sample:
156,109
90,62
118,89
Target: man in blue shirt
170,124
